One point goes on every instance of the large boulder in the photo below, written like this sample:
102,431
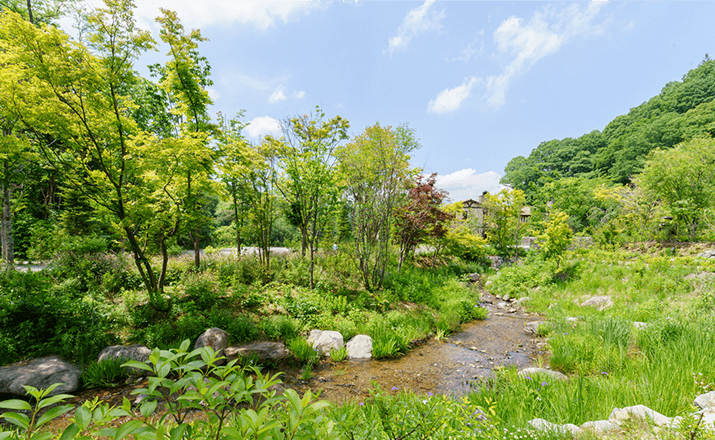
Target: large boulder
599,302
706,401
216,339
128,353
360,347
620,415
40,373
325,341
261,351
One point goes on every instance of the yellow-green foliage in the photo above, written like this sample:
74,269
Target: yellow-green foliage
557,236
461,240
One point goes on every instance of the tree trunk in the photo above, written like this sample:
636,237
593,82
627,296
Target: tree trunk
7,242
235,219
197,248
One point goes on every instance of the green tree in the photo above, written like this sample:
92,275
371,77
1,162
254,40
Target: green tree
185,77
557,236
309,183
682,179
375,169
74,100
503,219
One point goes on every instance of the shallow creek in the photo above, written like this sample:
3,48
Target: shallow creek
444,367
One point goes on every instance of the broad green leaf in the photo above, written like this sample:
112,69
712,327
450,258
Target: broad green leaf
177,432
15,404
53,413
82,417
70,432
137,364
16,419
127,429
52,400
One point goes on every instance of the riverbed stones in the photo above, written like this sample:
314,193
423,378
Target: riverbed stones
620,415
360,347
134,352
261,351
325,340
598,302
40,373
215,338
536,371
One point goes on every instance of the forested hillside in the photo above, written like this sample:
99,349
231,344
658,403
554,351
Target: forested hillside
682,111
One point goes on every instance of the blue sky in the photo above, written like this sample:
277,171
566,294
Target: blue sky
480,82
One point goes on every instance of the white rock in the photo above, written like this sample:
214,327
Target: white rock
545,425
573,321
360,347
619,415
599,302
324,341
706,400
535,371
599,426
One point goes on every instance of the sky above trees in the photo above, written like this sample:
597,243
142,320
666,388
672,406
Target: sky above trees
479,82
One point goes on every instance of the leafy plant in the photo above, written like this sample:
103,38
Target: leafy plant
107,373
29,424
303,351
339,354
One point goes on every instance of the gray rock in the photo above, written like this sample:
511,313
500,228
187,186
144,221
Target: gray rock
360,347
262,351
535,371
523,300
706,400
532,327
599,426
40,373
619,415
324,341
215,338
599,302
505,297
127,352
474,277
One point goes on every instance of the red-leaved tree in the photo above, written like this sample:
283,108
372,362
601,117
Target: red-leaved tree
420,217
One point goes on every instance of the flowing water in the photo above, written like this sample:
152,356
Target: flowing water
446,367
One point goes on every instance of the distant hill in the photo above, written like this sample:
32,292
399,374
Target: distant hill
683,110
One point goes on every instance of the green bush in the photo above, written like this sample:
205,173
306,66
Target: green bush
303,351
107,373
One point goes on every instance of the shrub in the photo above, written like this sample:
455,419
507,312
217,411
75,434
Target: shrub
107,373
303,351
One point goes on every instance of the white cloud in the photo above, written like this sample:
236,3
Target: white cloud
449,100
528,43
522,44
213,93
276,96
467,184
197,15
279,95
418,20
263,125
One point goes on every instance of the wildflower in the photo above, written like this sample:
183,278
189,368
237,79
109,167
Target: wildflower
543,384
430,394
395,389
528,378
